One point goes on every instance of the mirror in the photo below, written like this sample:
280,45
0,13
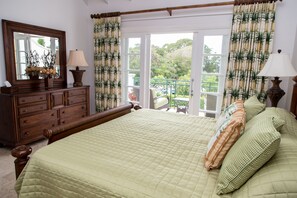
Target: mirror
29,49
30,52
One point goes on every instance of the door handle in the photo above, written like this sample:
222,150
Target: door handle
191,87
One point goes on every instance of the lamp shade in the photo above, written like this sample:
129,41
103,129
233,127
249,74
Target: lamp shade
77,58
279,65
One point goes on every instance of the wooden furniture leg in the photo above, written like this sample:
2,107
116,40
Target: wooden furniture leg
294,98
22,156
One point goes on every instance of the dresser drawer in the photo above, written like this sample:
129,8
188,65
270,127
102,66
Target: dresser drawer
36,120
76,92
34,108
76,117
76,99
29,99
37,130
71,111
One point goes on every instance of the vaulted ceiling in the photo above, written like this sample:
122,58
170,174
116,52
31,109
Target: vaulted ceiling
105,1
102,6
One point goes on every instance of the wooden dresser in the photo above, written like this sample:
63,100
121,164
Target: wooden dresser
24,115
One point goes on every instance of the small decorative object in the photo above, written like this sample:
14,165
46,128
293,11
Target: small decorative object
7,83
32,60
278,65
76,59
8,88
48,72
49,83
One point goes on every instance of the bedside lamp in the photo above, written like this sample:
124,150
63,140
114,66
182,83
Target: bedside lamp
278,65
77,59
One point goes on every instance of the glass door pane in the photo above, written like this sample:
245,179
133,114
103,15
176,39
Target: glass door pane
171,59
132,69
210,77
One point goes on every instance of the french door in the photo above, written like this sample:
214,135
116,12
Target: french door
204,85
209,64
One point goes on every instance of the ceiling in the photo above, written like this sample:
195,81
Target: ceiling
104,1
103,6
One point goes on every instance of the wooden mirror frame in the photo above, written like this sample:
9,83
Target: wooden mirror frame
8,28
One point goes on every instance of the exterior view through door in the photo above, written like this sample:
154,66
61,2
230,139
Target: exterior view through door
178,72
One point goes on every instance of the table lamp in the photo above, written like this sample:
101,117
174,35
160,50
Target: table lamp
77,59
277,65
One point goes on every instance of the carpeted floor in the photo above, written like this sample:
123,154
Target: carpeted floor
7,174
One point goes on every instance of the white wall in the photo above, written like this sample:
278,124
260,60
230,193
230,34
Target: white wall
67,15
285,39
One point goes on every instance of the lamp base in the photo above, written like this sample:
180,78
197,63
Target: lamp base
275,93
77,76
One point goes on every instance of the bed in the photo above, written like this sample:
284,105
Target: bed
133,152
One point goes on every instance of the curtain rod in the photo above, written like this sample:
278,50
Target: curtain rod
170,9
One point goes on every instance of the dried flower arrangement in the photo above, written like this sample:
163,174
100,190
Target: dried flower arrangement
48,71
32,60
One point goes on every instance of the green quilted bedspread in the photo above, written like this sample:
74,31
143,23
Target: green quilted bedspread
146,153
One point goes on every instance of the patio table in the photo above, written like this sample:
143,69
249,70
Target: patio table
182,104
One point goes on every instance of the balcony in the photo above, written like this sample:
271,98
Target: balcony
178,92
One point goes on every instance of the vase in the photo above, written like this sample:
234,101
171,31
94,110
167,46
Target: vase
33,77
49,83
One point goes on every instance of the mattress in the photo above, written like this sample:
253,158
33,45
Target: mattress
146,153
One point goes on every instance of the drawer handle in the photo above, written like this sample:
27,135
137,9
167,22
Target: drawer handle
41,98
26,133
52,114
23,100
83,116
63,122
24,111
25,121
82,107
63,112
53,125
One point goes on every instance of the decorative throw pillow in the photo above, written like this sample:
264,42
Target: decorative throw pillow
228,112
225,136
278,177
252,107
268,113
253,149
290,126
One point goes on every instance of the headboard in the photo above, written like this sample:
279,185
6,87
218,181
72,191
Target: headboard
294,98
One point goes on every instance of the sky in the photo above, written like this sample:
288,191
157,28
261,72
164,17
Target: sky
214,42
161,39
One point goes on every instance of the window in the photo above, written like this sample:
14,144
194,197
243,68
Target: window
132,69
202,83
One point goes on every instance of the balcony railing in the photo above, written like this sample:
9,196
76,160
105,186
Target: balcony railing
177,88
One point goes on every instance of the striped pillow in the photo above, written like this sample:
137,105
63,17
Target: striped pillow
225,136
253,149
228,112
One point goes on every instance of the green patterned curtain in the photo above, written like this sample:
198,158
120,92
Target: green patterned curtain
107,62
250,45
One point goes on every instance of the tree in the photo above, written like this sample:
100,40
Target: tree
210,63
182,43
134,57
173,60
41,42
